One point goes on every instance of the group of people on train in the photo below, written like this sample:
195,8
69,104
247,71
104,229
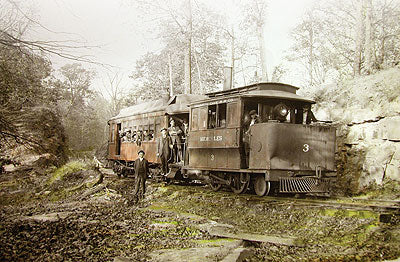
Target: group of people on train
129,135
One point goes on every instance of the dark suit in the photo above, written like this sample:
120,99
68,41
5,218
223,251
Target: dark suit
163,150
175,133
141,173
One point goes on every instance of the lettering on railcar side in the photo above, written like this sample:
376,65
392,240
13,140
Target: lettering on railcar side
211,138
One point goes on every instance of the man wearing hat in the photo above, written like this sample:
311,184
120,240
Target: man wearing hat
141,171
175,132
254,117
164,145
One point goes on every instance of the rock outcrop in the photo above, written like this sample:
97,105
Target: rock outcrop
366,112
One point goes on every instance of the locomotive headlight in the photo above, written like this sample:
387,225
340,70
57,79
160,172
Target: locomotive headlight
281,111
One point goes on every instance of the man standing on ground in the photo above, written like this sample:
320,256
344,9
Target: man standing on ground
141,172
164,145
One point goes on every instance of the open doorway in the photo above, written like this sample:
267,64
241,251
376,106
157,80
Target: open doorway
118,140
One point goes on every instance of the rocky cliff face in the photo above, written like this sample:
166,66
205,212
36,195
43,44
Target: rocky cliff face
366,112
33,134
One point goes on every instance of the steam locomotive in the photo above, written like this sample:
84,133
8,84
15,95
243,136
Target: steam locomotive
260,137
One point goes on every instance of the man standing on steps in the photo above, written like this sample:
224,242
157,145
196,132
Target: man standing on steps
164,145
141,173
175,132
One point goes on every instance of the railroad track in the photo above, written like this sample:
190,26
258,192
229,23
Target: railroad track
381,206
376,205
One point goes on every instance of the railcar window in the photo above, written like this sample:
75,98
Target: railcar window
112,128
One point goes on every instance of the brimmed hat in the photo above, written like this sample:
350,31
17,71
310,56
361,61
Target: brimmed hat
171,120
253,112
141,151
163,129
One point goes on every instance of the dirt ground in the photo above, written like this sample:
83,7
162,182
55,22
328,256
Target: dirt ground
70,214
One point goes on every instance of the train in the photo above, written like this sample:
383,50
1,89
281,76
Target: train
261,137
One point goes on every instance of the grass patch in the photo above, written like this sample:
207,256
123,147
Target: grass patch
69,168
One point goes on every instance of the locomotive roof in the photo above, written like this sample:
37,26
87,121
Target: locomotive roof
263,89
179,103
176,105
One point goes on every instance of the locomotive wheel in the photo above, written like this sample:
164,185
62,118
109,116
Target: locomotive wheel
239,183
215,186
261,187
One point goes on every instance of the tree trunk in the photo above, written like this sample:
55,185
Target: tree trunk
233,57
368,38
311,53
171,87
188,54
358,39
261,41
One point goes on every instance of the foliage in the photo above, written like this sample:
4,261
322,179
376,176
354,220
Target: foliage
22,76
28,119
388,189
79,107
340,39
27,104
152,76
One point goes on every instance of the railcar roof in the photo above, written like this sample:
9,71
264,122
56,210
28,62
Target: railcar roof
263,89
142,108
176,105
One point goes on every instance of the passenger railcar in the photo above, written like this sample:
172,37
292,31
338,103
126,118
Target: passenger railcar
138,128
260,136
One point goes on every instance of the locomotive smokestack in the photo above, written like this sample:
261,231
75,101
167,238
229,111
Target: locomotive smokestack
227,78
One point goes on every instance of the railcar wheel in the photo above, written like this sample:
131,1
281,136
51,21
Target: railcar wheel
240,183
261,187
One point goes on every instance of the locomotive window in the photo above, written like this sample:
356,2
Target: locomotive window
203,118
221,116
233,113
216,116
195,119
212,117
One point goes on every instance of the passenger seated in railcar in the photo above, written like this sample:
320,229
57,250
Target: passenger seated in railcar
151,135
128,135
134,136
146,135
139,137
122,135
